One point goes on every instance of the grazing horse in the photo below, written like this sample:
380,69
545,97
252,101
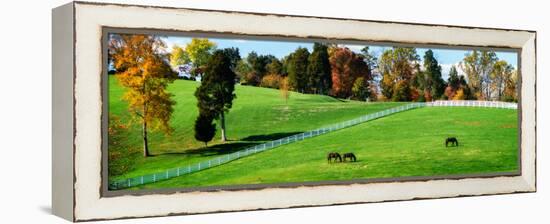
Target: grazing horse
351,157
334,155
452,140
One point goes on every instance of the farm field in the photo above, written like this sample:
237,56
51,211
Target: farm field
406,144
258,115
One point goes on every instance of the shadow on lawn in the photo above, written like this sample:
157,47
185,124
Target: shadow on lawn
219,149
230,146
269,137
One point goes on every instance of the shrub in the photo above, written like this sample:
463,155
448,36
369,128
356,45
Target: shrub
271,81
122,155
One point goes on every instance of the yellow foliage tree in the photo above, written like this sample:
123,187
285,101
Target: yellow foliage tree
459,95
284,87
178,56
143,70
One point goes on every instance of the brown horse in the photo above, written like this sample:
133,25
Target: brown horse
452,140
334,155
351,157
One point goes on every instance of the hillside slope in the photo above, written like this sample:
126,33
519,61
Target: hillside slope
258,115
406,144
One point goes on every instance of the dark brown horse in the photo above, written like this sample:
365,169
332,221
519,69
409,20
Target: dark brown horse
334,155
351,157
452,140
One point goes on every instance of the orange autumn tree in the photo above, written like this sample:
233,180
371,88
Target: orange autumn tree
144,72
346,67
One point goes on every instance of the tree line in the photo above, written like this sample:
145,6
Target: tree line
405,79
398,75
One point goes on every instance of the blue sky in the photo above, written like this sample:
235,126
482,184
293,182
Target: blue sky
446,57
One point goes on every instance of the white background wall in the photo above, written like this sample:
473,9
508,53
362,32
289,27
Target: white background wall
25,112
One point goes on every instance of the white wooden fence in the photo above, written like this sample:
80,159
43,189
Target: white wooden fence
472,103
191,168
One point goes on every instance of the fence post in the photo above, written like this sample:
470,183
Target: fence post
141,179
154,177
129,182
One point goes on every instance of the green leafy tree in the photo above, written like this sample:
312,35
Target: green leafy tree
205,130
145,74
511,87
501,72
297,69
318,70
216,93
242,70
478,66
274,67
360,90
259,63
398,65
234,56
402,91
199,51
178,57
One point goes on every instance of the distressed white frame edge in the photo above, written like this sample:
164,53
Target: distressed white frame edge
89,20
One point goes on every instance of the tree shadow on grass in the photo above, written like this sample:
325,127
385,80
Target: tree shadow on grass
231,146
219,149
269,137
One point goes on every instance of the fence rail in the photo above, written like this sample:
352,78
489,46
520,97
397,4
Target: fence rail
472,103
183,170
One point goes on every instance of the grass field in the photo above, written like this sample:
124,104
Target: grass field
258,115
407,144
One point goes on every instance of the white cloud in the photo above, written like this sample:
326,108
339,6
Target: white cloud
171,41
353,47
445,68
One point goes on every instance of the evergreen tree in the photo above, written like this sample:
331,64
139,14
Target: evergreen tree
318,70
204,129
430,81
297,69
216,93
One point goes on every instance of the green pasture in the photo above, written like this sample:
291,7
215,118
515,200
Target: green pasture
258,115
406,144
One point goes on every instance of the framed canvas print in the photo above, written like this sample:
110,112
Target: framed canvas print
164,111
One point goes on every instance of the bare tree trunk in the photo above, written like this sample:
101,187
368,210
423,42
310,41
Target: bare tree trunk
144,129
145,144
222,121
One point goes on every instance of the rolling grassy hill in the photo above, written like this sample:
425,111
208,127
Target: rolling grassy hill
406,144
257,115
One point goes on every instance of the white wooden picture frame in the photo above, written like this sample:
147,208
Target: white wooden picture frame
78,192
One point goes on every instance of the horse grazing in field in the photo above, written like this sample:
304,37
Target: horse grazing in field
452,140
334,155
351,157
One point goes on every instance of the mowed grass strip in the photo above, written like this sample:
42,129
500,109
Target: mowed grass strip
258,115
406,144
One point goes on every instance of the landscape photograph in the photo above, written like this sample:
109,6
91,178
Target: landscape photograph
211,111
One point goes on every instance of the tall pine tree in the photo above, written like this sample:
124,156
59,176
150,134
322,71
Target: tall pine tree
297,69
318,70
